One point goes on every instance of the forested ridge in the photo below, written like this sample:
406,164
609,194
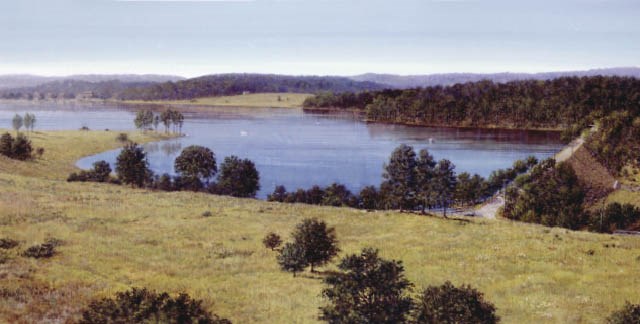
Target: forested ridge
205,86
557,103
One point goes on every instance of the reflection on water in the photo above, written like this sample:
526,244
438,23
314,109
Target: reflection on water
299,149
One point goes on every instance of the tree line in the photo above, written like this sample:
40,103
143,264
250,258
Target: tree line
20,147
195,167
171,119
557,103
411,181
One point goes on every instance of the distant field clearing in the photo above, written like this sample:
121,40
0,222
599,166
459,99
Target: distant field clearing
276,100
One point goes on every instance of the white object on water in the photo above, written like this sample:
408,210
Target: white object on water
243,134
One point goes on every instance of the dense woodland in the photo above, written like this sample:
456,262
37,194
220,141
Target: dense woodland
72,89
557,103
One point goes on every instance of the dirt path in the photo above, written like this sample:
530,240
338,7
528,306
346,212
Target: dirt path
490,209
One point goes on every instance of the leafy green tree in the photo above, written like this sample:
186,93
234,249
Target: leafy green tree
156,122
292,258
272,241
630,313
17,122
132,166
444,183
139,306
318,241
238,177
196,162
369,198
449,304
101,171
165,117
368,290
279,194
400,177
29,121
144,119
425,173
336,195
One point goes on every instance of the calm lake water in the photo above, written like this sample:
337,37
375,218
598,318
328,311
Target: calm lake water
300,149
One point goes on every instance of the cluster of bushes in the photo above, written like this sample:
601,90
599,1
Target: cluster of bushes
411,182
18,148
614,217
38,251
138,306
101,172
196,166
527,103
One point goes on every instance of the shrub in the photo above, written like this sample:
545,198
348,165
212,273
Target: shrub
100,173
6,243
207,214
272,241
449,304
40,151
145,306
44,250
122,137
630,313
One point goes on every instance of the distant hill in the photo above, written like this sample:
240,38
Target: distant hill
234,84
413,81
15,81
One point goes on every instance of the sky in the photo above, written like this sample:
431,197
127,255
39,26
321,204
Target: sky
316,37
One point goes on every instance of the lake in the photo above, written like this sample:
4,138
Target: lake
298,149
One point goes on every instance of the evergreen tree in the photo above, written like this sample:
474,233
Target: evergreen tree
401,178
425,172
132,166
444,183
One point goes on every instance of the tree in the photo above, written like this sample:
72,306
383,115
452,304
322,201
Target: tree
238,177
165,117
140,306
101,171
444,183
272,241
318,241
292,258
279,194
144,119
336,195
400,177
196,162
368,290
425,173
29,121
17,122
449,304
630,313
369,198
132,166
156,122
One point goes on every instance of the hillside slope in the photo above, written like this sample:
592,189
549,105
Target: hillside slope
116,237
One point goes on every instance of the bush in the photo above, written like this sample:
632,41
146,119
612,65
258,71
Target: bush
100,173
449,304
145,306
272,241
630,313
6,243
18,148
44,250
122,138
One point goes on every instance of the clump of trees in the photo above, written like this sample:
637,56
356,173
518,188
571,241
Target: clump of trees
551,195
314,244
18,148
146,306
411,181
616,141
370,289
615,216
101,172
171,119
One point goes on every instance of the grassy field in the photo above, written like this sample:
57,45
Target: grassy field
116,237
274,100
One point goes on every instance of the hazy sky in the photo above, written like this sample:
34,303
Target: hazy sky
340,37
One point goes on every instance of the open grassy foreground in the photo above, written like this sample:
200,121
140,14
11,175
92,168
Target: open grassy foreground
116,237
266,100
